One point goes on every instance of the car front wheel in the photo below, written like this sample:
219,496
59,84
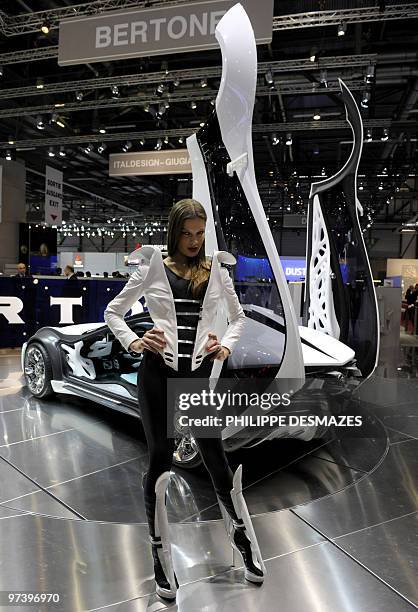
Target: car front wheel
38,370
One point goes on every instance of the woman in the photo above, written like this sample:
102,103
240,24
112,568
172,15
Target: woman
182,344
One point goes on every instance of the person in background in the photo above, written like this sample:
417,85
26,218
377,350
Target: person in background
69,273
22,271
409,292
88,274
411,297
105,274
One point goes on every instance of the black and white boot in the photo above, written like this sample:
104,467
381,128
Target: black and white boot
165,577
242,535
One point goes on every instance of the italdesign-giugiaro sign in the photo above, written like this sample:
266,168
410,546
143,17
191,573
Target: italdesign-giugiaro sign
176,161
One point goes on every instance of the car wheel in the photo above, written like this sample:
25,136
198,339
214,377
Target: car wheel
38,370
186,454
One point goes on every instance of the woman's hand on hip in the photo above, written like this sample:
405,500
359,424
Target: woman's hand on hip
213,346
153,340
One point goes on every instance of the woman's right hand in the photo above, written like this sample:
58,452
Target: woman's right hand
153,339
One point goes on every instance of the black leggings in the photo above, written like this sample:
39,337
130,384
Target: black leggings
152,390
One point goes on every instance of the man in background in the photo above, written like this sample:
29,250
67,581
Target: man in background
21,271
69,273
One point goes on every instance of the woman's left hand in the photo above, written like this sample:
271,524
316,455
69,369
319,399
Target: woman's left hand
213,346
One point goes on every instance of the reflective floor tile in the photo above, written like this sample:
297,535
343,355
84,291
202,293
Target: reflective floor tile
40,502
13,483
390,551
388,492
318,578
8,512
361,454
59,457
387,391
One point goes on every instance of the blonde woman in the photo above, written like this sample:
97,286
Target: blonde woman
182,294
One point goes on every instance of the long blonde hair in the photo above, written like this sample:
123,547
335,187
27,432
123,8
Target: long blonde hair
182,210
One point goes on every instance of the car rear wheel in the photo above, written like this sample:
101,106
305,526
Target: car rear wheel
186,454
38,370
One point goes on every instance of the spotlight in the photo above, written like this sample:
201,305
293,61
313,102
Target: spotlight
203,83
365,99
60,122
167,103
62,152
54,117
380,188
146,108
11,140
126,146
323,172
39,83
323,78
102,130
181,139
115,91
289,139
79,95
8,155
160,89
45,27
268,77
165,139
102,147
40,123
161,109
51,152
316,150
385,135
317,115
213,101
275,141
370,73
361,188
88,148
176,82
142,141
342,28
158,145
313,56
369,137
1,71
193,105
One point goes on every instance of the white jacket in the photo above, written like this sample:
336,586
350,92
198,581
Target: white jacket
150,280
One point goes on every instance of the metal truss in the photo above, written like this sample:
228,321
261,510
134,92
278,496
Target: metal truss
300,126
29,55
177,97
317,19
25,23
153,78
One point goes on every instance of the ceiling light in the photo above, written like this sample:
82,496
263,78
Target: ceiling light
289,139
176,82
62,152
323,172
313,56
40,123
385,135
115,91
88,148
51,152
202,123
365,99
126,146
160,89
369,136
142,141
101,147
274,139
370,72
1,71
11,140
342,28
361,188
60,122
380,187
181,139
203,83
146,108
54,117
102,130
39,83
8,155
317,115
45,27
167,103
323,79
79,95
193,105
165,139
161,109
158,145
269,77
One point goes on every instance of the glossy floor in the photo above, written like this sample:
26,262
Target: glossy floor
336,518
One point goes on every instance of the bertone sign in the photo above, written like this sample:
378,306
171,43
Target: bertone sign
155,31
150,162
